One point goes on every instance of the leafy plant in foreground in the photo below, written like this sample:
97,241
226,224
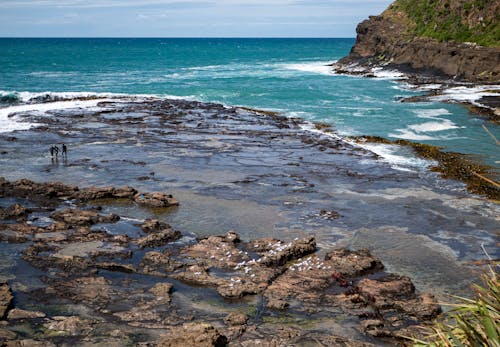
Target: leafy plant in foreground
472,322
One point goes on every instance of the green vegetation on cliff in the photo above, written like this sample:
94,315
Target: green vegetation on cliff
475,21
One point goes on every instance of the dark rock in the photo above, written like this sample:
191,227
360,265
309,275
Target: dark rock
193,335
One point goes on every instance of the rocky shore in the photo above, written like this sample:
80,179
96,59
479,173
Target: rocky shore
111,289
243,228
391,41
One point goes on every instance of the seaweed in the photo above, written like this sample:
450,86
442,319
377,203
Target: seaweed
451,165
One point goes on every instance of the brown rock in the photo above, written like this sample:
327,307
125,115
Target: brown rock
162,292
155,200
280,252
236,318
15,211
353,263
384,291
154,261
153,225
98,193
193,335
77,217
17,313
6,300
158,238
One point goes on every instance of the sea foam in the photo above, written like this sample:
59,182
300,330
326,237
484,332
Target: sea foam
9,121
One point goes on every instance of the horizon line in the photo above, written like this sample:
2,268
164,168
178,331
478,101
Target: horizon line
176,37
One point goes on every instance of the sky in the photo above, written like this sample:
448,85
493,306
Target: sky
185,18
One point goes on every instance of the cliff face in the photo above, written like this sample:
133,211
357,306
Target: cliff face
398,38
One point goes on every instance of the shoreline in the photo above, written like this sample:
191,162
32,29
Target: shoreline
265,176
435,87
448,161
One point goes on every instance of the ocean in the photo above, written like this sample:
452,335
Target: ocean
290,76
231,168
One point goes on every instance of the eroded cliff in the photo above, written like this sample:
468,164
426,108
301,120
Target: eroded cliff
455,39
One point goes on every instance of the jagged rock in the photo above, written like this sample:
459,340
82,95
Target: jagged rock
217,251
162,292
193,335
236,318
153,225
159,238
154,261
77,217
274,303
384,291
15,211
6,300
353,263
25,188
280,252
155,199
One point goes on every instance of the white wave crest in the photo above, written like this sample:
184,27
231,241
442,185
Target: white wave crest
322,68
434,126
10,122
432,113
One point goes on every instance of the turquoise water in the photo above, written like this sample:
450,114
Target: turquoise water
286,75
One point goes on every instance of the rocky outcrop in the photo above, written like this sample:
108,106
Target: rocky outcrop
387,40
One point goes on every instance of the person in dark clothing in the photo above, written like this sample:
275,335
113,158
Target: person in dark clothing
56,150
64,150
52,150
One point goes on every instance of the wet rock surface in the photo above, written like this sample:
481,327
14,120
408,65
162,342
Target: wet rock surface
99,272
295,198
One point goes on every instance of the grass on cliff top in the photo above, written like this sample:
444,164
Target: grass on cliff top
476,21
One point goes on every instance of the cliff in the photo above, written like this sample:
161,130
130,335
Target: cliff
458,39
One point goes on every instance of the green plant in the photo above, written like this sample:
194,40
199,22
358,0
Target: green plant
472,322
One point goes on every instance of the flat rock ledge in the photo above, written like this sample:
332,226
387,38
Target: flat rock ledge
47,191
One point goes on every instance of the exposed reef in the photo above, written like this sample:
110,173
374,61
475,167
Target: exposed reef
135,290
